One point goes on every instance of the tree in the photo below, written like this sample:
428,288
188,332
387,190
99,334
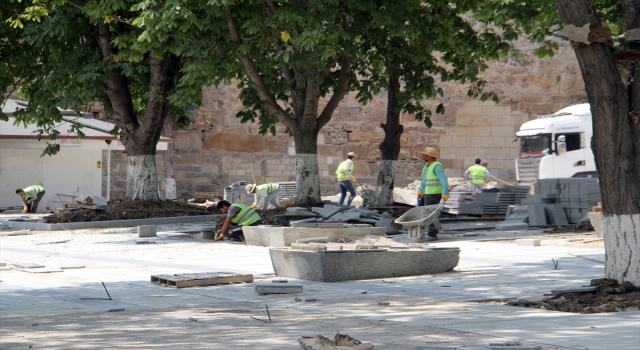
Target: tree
612,81
293,54
407,58
73,54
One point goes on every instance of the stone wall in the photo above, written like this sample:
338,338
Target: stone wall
218,149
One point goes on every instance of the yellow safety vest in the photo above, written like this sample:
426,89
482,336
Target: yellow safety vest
270,187
246,216
35,189
432,184
477,174
341,174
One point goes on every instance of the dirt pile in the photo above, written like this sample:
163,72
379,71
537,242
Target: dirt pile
124,211
582,226
608,297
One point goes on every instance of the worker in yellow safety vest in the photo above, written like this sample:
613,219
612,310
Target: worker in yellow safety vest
476,175
345,179
238,215
31,197
268,191
434,186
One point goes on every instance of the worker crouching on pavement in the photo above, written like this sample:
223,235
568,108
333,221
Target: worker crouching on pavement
269,191
477,175
434,186
238,215
31,197
345,179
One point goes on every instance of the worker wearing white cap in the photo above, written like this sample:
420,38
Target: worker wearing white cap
269,191
345,178
434,185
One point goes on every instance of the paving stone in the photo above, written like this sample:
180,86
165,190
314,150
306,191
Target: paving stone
537,215
512,226
528,242
147,231
556,214
518,347
278,288
29,265
69,267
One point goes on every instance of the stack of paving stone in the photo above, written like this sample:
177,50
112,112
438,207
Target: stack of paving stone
237,193
336,212
573,197
492,203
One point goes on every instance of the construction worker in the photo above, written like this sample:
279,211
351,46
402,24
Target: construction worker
476,175
238,215
434,186
345,179
269,191
31,196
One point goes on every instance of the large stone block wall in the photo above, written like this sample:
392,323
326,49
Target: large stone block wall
217,149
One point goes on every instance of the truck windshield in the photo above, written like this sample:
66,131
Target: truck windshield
534,146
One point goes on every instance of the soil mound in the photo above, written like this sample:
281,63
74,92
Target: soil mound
124,211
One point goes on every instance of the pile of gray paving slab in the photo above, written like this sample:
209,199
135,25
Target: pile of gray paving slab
555,202
489,202
333,212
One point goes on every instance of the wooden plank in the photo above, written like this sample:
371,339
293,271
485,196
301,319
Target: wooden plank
200,279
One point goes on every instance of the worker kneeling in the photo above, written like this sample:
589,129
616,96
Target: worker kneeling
269,191
238,215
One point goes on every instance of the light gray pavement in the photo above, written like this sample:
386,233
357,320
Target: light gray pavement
45,310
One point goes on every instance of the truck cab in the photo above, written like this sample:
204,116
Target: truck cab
557,145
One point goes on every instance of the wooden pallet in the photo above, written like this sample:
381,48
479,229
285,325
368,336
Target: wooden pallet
181,280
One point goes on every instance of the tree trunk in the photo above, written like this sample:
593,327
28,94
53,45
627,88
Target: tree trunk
615,143
390,147
307,173
169,165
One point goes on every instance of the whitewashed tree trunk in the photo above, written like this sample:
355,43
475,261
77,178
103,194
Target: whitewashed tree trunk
622,246
384,187
142,178
307,179
614,100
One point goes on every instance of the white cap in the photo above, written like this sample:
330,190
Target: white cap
351,154
250,188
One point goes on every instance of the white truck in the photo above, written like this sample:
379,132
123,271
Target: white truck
557,145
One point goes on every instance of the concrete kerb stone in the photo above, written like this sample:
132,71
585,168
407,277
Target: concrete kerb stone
113,223
528,242
147,231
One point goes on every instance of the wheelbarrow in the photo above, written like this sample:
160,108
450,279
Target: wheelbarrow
417,219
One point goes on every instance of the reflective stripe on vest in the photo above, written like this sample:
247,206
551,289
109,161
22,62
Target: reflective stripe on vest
246,216
477,174
35,189
270,187
340,172
432,184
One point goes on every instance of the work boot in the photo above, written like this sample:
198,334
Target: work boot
430,238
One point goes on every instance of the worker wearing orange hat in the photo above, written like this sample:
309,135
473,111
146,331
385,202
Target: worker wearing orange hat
434,185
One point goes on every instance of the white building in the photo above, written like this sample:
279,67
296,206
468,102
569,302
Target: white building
75,170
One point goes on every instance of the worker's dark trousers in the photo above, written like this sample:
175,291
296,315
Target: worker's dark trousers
236,234
430,199
31,208
345,186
